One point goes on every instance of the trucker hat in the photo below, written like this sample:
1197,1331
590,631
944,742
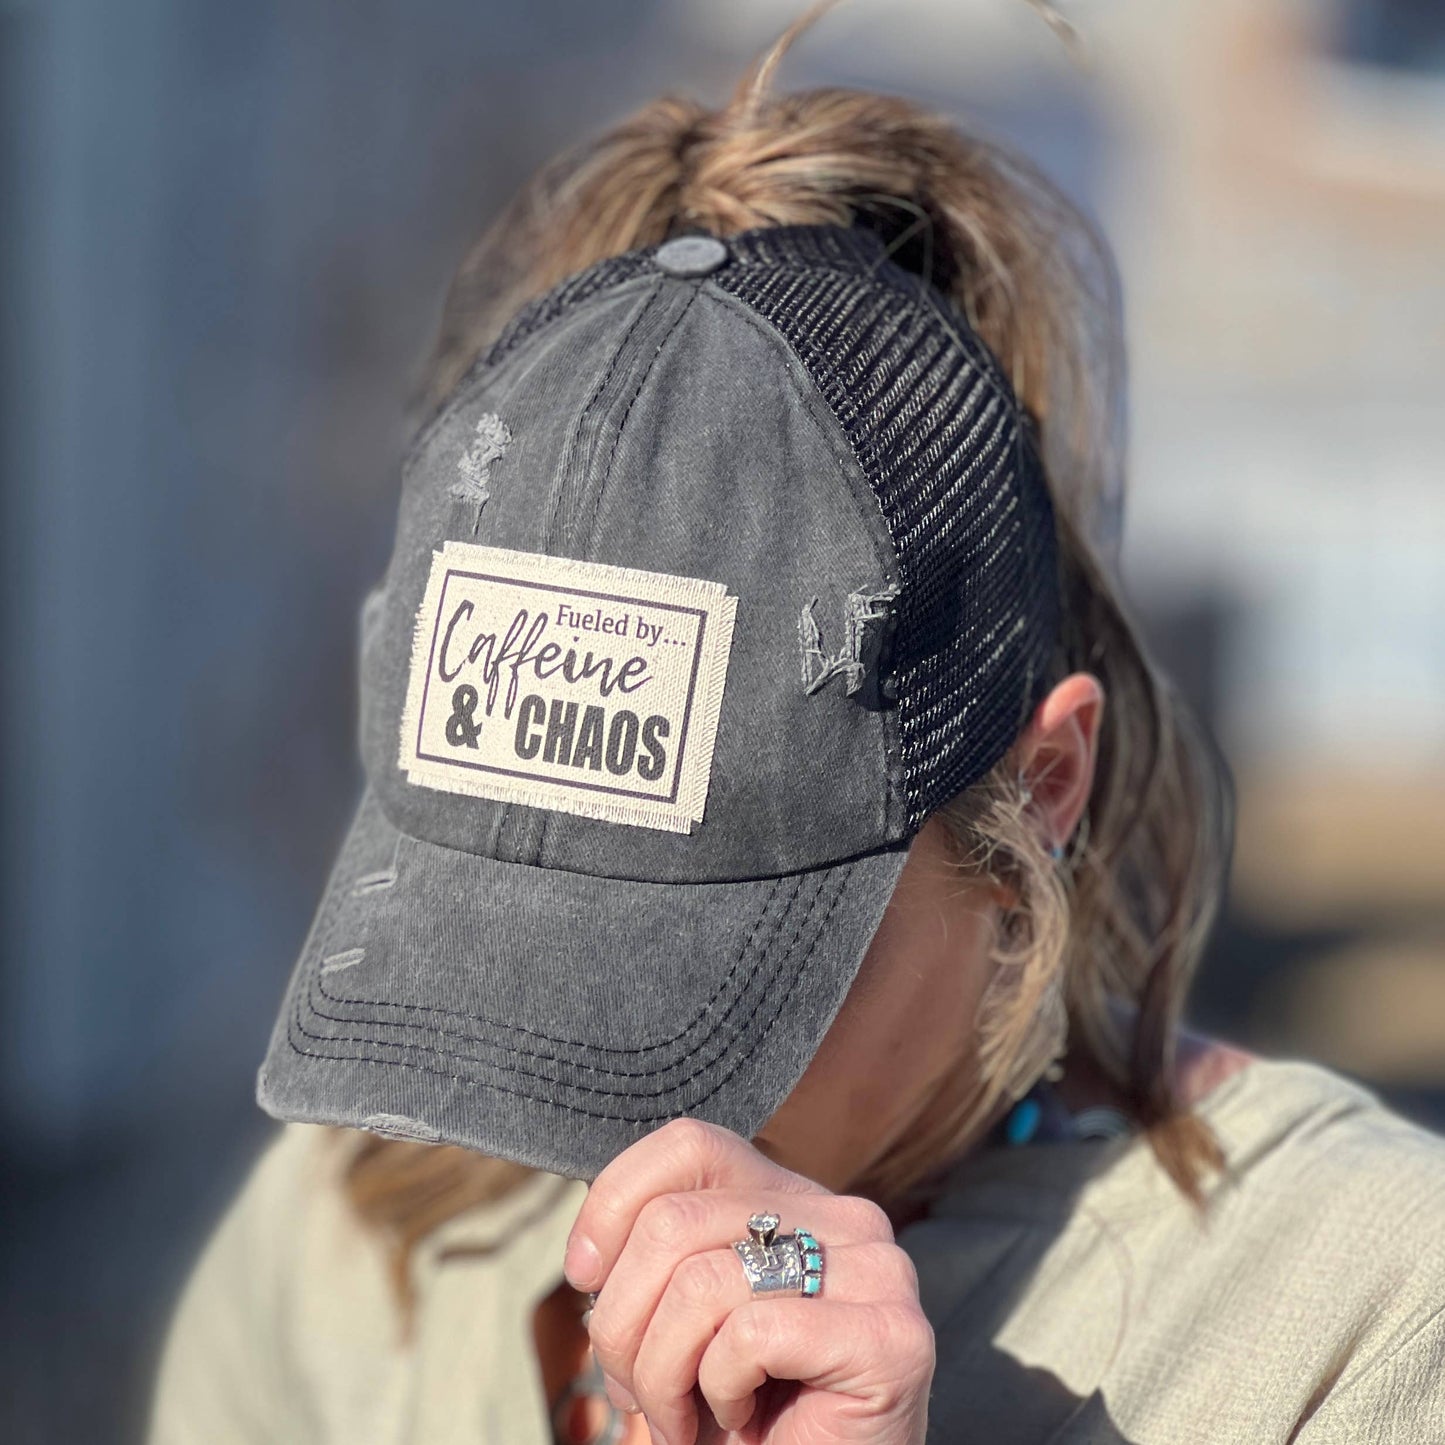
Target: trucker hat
723,568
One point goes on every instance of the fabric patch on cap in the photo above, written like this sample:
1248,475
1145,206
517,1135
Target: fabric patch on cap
576,686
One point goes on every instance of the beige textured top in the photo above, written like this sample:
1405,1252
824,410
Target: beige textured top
1074,1296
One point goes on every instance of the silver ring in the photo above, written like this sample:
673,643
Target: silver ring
778,1266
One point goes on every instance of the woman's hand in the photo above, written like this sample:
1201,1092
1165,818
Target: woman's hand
676,1326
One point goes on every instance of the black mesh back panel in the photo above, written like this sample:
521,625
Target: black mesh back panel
941,440
943,443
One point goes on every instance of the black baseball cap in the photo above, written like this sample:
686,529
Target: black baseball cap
728,564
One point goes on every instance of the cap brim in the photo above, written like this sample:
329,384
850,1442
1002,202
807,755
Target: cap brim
552,1017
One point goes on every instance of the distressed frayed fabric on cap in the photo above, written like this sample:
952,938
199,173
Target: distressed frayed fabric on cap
728,564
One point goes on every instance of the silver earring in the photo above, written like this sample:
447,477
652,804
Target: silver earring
1056,852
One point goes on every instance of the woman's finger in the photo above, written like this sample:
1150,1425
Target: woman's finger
676,1227
682,1156
868,1365
706,1288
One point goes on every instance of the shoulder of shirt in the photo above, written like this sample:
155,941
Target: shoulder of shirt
1323,1167
1322,1179
1291,1130
302,1174
1313,1160
1308,1138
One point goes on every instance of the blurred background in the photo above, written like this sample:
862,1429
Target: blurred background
227,232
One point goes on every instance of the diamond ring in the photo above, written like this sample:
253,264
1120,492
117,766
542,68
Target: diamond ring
780,1266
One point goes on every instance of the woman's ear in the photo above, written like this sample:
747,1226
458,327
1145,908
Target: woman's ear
1056,754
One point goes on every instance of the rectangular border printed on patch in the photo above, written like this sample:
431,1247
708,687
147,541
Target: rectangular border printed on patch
576,686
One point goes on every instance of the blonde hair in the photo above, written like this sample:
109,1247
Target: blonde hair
1103,947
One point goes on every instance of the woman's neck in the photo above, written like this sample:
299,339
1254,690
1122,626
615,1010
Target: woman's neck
1201,1065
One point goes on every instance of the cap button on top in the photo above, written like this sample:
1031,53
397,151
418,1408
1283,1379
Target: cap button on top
690,256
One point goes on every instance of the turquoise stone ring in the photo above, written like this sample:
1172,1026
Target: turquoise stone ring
780,1265
812,1263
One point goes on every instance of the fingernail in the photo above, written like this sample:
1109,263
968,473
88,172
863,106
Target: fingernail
620,1396
582,1262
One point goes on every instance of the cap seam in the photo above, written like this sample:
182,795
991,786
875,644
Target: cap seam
514,821
487,1022
553,523
317,947
512,1051
485,372
324,927
884,548
594,502
577,534
474,1083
